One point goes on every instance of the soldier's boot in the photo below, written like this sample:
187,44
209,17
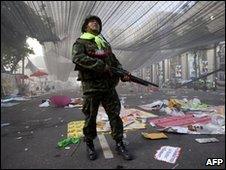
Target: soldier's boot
91,152
121,150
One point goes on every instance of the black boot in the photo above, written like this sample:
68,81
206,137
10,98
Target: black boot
121,150
92,155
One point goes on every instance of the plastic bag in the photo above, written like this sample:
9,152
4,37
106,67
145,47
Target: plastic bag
65,142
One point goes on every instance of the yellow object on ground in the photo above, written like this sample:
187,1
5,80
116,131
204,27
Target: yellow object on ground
75,129
135,125
174,103
156,135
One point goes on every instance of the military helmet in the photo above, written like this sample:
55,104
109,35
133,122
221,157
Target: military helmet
91,17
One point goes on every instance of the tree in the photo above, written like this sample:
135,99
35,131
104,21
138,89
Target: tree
11,56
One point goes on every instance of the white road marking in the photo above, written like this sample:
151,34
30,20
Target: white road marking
105,147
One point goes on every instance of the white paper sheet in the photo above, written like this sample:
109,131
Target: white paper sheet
168,154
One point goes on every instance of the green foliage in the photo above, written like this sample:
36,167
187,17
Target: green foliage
11,56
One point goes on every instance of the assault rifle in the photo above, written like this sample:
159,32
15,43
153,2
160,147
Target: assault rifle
121,73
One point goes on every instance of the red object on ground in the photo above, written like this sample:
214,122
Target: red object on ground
39,73
60,101
180,120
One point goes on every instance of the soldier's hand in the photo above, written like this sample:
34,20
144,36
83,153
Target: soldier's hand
126,78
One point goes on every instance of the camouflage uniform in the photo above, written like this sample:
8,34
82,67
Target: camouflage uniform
98,86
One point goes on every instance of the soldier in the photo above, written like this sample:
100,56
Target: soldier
93,57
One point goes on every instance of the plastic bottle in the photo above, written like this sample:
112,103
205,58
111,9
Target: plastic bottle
65,142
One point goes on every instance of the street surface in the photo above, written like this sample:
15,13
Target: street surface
30,140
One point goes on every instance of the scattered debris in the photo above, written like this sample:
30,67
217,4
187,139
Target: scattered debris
166,121
168,154
153,106
45,104
4,124
175,107
174,103
75,102
67,141
8,104
154,135
15,98
60,101
175,129
75,129
195,129
206,140
218,119
132,119
73,106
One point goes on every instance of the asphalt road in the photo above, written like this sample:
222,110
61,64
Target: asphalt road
41,129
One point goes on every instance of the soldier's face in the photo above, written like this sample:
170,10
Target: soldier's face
93,26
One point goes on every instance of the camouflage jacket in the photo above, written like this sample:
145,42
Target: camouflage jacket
90,63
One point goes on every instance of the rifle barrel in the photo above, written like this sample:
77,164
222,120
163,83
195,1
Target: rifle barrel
121,73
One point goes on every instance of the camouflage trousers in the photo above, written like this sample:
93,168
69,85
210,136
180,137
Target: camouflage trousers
111,103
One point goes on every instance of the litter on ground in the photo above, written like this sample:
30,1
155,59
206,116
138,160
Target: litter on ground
168,154
206,140
154,135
